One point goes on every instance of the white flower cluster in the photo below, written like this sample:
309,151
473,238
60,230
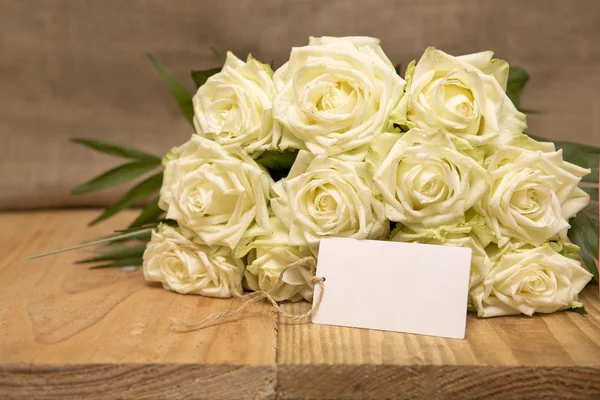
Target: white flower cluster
440,156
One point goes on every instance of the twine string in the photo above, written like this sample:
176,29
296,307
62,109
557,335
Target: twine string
251,298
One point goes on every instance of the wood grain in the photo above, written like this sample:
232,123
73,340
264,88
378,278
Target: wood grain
68,332
550,356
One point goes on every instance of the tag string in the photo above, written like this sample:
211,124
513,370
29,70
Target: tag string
250,298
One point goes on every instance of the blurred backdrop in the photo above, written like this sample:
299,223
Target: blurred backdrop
79,68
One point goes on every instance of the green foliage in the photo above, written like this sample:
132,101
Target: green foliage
277,160
577,153
591,191
117,176
151,214
579,310
200,77
118,254
398,69
183,97
517,78
584,233
277,163
125,262
133,196
118,150
136,235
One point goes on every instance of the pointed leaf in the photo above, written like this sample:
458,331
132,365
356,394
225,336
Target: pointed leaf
114,149
200,77
117,176
584,233
133,196
398,69
144,237
517,78
580,154
114,238
152,213
134,262
591,191
592,207
183,97
277,160
137,228
528,111
579,310
592,177
122,253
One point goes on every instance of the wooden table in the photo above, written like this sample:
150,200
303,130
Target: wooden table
68,332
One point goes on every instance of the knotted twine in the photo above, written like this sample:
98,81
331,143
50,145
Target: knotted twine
182,326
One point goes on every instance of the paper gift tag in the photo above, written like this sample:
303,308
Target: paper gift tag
392,286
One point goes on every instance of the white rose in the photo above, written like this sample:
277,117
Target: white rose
424,179
234,106
186,267
472,234
335,94
324,197
270,256
463,95
220,196
533,195
529,281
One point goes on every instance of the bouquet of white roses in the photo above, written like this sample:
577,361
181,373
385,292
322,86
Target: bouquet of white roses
336,143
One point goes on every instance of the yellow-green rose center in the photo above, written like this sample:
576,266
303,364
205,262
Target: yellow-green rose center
336,96
459,98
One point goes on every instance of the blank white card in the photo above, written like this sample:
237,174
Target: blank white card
392,286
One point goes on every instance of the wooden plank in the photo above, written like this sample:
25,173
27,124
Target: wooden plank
68,332
551,356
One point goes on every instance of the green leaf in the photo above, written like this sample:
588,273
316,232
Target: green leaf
152,213
144,237
398,69
114,149
528,111
126,236
122,253
183,97
277,160
278,174
580,154
592,208
133,261
579,310
591,191
584,233
200,77
517,78
117,176
137,228
133,196
592,177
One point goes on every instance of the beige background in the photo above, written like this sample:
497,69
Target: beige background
78,68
